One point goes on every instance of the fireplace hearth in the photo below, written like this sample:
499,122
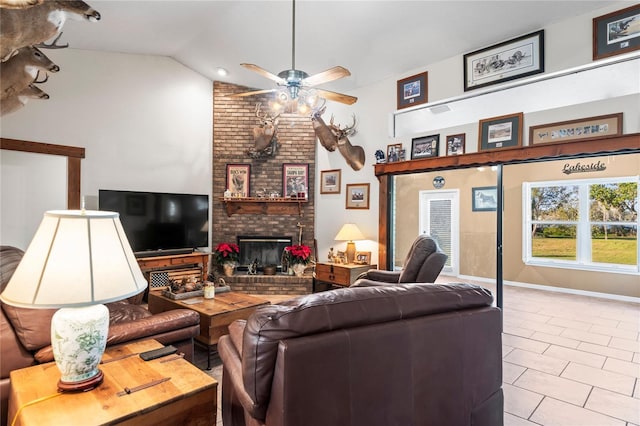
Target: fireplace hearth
266,250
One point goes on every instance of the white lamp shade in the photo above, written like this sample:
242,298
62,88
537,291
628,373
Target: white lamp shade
349,232
76,258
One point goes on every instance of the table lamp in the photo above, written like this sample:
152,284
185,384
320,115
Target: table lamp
350,232
76,261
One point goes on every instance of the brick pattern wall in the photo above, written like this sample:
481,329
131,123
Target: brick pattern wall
233,121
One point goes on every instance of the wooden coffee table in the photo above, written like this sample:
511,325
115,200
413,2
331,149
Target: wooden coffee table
164,391
215,314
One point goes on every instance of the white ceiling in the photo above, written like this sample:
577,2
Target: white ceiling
373,39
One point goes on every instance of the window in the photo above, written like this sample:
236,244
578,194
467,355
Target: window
585,224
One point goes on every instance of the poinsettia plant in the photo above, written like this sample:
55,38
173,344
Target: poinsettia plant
298,253
227,253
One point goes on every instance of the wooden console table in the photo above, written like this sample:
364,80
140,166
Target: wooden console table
271,206
181,395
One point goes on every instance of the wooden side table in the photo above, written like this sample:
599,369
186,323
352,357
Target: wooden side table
334,274
176,393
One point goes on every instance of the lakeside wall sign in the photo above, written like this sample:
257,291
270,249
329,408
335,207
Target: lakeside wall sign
598,166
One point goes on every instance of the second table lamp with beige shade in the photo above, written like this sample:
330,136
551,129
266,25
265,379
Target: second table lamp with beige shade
350,232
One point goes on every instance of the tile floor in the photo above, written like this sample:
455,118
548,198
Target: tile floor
568,360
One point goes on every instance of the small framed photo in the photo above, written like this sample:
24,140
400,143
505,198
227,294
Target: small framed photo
412,90
500,132
574,130
393,152
340,257
425,147
295,180
330,181
239,179
357,196
520,57
362,258
616,33
484,199
455,144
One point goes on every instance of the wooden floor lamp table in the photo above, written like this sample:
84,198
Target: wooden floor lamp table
164,391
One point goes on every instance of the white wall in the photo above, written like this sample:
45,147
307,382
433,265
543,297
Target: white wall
567,45
145,122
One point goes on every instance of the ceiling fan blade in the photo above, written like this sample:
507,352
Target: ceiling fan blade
264,73
253,92
337,97
326,76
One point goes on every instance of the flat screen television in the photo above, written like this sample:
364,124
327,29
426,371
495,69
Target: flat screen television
160,222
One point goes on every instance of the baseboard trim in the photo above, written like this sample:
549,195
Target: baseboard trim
599,295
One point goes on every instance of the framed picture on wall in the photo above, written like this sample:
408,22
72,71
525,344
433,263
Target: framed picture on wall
330,181
574,130
295,180
520,57
500,132
425,147
357,196
484,199
412,90
616,32
239,179
455,144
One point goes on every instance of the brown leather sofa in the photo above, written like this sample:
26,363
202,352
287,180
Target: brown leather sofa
404,354
25,334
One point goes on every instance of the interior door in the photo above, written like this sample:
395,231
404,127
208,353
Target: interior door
439,217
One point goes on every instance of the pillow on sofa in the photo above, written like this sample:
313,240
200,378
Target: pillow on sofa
33,326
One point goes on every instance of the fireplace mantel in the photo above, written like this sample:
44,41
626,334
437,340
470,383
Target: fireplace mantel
268,206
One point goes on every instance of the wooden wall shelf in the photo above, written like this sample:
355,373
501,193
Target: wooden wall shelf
268,206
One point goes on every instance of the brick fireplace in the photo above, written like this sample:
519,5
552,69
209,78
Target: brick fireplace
233,121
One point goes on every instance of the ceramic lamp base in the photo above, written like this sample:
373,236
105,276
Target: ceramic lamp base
78,340
351,252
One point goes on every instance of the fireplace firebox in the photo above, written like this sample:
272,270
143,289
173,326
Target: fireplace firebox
266,250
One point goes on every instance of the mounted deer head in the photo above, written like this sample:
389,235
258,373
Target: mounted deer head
22,69
38,23
354,155
19,4
324,134
15,102
266,130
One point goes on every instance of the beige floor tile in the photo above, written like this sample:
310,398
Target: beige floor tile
511,420
622,312
568,354
536,361
543,328
568,323
520,402
624,344
615,331
552,412
517,331
585,336
506,349
522,343
556,387
636,392
631,326
526,316
615,405
636,358
510,372
622,367
606,351
557,340
600,378
605,322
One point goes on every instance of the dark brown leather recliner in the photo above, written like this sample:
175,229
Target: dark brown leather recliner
25,334
423,264
404,354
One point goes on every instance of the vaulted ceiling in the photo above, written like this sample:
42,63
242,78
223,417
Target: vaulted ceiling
373,39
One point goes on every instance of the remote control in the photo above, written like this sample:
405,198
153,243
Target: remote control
158,353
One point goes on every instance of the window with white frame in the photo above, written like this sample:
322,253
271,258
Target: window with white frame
584,224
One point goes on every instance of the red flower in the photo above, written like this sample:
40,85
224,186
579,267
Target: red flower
227,252
298,254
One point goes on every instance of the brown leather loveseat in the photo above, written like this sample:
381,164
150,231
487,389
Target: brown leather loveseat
25,334
404,354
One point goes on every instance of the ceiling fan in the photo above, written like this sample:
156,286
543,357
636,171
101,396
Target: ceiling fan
296,82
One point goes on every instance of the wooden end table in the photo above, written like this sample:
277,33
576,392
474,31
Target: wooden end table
339,275
215,314
176,393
